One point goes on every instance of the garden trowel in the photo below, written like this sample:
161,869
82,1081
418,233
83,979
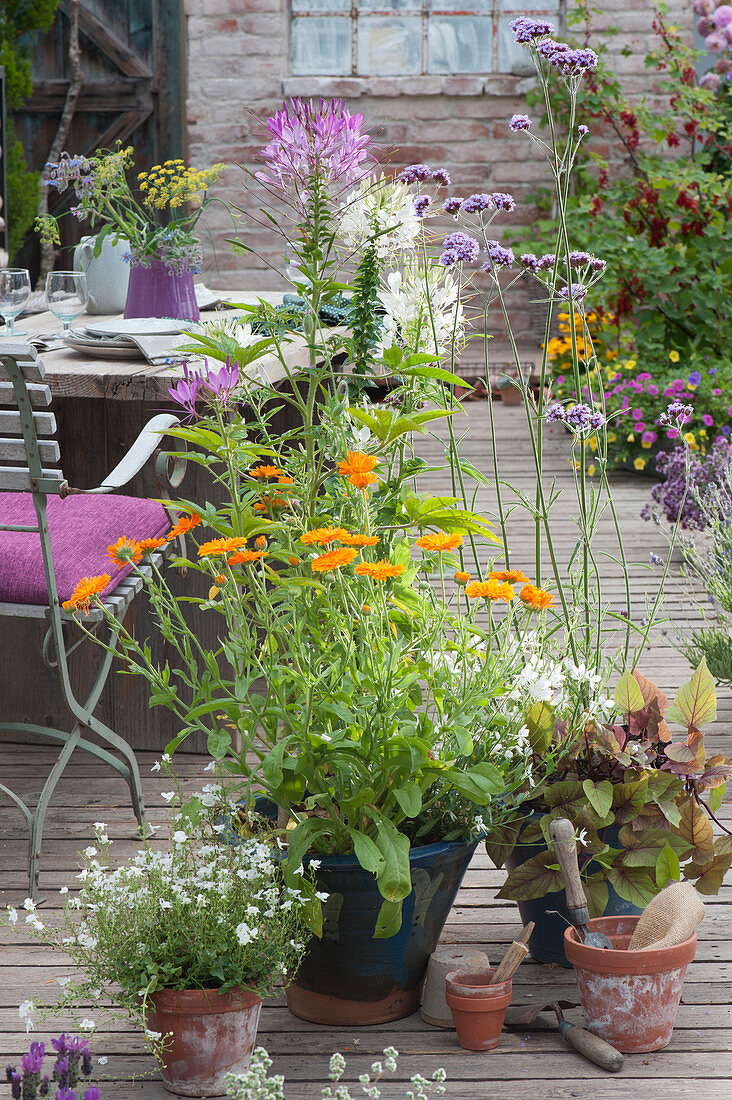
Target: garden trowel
584,1042
561,834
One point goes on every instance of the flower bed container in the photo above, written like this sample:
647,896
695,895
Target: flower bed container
630,998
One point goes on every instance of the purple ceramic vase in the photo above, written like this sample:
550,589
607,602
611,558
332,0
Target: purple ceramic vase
156,292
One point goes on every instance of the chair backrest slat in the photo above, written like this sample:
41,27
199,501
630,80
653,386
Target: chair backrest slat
10,424
13,450
26,357
40,396
19,480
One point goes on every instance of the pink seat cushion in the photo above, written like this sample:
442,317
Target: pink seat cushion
82,527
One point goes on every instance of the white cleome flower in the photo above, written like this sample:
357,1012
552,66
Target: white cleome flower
25,1013
245,934
382,212
167,795
87,1025
12,915
421,304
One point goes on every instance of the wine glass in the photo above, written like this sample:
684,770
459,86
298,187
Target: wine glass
14,293
67,294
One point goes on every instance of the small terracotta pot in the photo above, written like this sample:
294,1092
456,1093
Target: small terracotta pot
213,1034
630,998
478,1008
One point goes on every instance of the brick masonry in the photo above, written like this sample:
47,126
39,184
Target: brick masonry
239,71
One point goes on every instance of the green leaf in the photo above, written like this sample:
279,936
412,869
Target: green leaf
629,798
567,795
696,700
596,891
218,742
393,877
696,829
599,796
409,798
634,884
668,868
539,876
642,848
712,874
627,694
540,723
367,854
389,920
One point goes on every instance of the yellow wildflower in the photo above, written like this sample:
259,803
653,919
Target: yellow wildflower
640,463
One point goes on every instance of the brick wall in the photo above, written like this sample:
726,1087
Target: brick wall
238,71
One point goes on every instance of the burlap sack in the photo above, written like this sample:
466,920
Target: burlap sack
669,919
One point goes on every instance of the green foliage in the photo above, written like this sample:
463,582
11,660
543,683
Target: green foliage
18,22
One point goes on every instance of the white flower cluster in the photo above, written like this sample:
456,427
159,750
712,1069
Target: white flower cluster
382,212
423,309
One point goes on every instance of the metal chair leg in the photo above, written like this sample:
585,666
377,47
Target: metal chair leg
35,840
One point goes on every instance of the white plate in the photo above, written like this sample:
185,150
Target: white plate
103,349
138,326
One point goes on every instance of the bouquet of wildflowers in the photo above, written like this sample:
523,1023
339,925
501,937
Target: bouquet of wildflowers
159,223
72,1066
204,914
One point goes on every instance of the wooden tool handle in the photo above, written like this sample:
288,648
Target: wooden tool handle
592,1047
561,834
510,963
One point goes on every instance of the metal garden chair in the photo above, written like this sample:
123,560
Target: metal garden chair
52,535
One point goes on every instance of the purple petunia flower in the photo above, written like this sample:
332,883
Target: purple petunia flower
415,173
421,202
452,206
502,201
499,256
695,378
637,414
519,122
526,29
653,390
308,140
459,248
707,420
475,203
441,177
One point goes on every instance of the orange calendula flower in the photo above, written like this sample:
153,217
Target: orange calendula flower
285,481
148,545
220,546
324,536
221,579
462,578
260,542
266,471
440,542
535,597
268,502
489,590
124,551
183,526
246,556
334,559
362,481
512,576
359,539
357,463
293,560
379,570
80,599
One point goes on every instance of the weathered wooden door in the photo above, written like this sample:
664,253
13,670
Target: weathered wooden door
133,60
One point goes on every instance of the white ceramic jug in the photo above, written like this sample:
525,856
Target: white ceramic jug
107,274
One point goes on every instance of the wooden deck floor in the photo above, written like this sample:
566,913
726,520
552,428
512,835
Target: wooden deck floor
535,1064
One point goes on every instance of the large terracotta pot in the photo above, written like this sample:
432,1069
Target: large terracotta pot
630,998
349,978
213,1034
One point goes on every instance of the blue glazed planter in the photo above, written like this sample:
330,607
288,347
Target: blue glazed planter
347,977
547,940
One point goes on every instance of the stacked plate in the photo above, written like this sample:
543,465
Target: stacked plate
119,339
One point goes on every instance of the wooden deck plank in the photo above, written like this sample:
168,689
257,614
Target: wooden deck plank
527,1064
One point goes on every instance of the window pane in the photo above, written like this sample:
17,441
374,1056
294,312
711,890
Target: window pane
548,8
390,5
460,44
389,47
320,5
462,5
512,57
321,45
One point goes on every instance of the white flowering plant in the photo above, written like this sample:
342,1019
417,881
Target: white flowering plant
199,914
254,1084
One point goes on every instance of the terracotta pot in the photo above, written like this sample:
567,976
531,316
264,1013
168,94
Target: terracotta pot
478,1008
630,998
213,1034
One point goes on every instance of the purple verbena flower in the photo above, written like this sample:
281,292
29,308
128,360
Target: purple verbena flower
308,140
441,177
529,261
570,62
452,206
519,122
502,201
596,421
526,29
578,417
676,413
576,291
421,202
459,248
557,413
582,130
597,265
415,173
546,262
475,203
579,259
499,256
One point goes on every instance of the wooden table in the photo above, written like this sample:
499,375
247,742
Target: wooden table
100,406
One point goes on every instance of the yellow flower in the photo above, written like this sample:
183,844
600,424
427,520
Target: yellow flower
592,469
592,443
689,437
645,443
611,437
640,463
631,364
674,356
631,438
